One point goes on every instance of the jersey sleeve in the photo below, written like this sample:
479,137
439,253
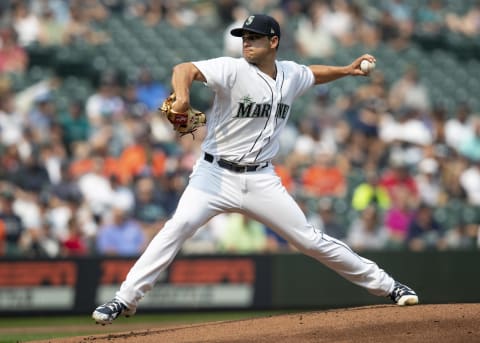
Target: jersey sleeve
302,77
219,72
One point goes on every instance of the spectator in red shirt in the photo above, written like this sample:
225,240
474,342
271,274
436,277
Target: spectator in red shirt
75,244
398,176
13,58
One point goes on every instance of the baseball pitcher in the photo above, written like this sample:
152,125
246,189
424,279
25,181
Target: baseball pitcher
253,99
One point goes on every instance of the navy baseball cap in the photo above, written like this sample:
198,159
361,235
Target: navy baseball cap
258,23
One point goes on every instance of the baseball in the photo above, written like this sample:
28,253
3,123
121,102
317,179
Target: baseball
367,66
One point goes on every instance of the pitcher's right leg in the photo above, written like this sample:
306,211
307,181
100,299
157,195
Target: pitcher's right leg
190,215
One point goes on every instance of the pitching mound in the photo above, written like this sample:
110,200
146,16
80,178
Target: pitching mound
422,323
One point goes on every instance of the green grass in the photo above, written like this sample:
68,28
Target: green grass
87,327
28,337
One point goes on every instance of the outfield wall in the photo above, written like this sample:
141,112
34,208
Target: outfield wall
230,282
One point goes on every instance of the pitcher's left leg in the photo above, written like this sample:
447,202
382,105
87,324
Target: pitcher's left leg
270,203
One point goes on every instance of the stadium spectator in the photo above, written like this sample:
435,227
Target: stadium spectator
32,175
232,46
173,12
323,117
150,91
42,117
242,235
81,161
141,158
26,23
374,91
462,236
134,107
407,136
452,167
59,8
370,192
436,121
399,217
96,188
467,23
51,32
313,38
154,12
52,154
13,57
367,232
66,188
398,176
294,10
11,162
289,43
75,125
428,183
409,92
74,244
11,122
120,235
306,140
470,145
339,22
364,29
285,174
57,214
430,19
147,210
11,223
363,144
458,127
470,183
172,188
324,177
397,23
78,29
424,232
401,11
162,133
105,104
38,242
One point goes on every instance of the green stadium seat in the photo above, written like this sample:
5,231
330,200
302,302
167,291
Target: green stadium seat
471,214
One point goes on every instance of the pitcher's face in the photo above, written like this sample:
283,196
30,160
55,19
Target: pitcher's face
257,47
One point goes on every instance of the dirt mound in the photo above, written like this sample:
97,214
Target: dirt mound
422,323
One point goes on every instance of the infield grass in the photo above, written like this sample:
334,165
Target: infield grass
27,329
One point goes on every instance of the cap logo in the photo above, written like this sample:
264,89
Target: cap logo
272,31
249,20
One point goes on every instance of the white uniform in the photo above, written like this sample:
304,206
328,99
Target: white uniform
249,112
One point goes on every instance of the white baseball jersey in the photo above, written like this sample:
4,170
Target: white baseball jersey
250,108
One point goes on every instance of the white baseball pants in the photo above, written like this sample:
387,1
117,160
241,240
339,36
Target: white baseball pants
260,195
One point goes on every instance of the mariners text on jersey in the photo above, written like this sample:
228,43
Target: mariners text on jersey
249,109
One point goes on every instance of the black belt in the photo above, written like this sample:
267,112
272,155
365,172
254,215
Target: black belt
237,168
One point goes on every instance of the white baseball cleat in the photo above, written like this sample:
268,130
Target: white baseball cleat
108,312
403,295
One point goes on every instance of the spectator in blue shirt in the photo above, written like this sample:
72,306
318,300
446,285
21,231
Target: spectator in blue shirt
122,237
150,92
425,233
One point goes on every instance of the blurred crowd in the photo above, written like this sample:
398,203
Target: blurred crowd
382,167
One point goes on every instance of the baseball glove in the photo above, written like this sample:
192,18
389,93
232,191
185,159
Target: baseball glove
186,122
